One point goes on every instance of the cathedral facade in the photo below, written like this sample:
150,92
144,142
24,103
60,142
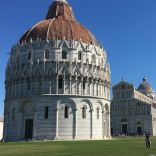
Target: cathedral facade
57,82
133,111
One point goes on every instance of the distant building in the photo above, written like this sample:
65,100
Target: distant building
133,110
1,127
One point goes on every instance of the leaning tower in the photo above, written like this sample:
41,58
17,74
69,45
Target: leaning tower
57,82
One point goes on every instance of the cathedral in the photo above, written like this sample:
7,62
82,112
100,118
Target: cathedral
133,111
57,82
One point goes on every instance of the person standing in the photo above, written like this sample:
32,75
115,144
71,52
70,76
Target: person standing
2,139
148,141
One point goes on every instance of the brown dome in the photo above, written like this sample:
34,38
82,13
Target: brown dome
59,24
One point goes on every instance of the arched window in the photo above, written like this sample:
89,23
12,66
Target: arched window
29,56
28,87
79,55
83,83
13,114
97,113
64,55
84,112
60,84
66,112
47,54
46,112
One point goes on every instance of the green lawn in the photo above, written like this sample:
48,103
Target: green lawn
115,147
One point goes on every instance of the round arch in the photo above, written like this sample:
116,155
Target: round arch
87,101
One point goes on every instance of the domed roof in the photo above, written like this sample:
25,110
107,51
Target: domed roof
144,86
59,24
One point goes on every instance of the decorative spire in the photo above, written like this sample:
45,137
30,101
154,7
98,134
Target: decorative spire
144,79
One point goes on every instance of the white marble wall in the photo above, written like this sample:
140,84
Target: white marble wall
1,130
58,127
42,75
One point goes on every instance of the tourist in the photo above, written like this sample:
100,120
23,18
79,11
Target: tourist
2,139
148,141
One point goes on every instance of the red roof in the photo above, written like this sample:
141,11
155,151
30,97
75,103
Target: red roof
59,24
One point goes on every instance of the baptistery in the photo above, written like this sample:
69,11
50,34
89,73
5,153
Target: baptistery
57,82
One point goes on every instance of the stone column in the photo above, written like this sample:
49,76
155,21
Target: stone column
50,86
36,85
92,87
34,125
108,134
19,85
43,79
103,124
20,125
76,138
70,91
30,85
86,90
24,85
106,93
64,78
82,86
56,132
76,85
57,84
99,89
92,129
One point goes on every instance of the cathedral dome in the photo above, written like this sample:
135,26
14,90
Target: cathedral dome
146,88
60,24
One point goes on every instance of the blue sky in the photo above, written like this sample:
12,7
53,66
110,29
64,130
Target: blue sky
126,28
